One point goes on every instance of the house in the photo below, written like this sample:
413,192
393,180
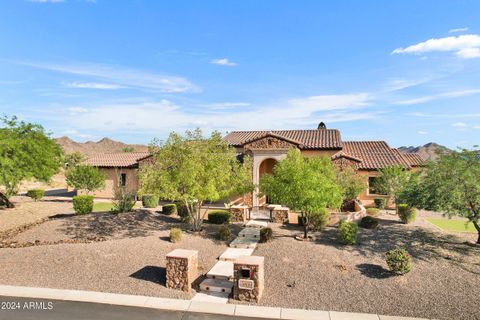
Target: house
268,147
121,170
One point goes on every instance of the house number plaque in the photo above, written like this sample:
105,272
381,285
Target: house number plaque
245,284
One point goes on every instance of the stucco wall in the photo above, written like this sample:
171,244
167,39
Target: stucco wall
112,182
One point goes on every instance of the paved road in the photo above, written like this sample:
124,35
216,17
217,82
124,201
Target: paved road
44,309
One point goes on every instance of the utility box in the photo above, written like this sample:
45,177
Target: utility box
182,269
248,272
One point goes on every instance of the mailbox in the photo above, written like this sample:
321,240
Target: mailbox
248,278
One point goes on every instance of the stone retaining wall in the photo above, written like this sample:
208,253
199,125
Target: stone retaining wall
182,269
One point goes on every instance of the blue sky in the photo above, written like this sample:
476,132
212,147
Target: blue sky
407,72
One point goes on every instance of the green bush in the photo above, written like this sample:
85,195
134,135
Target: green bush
266,234
149,201
399,260
219,217
182,211
175,235
347,232
318,221
373,211
124,202
369,222
380,203
406,213
169,209
83,204
36,194
224,233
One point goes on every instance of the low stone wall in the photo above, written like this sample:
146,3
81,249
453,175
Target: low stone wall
182,269
239,213
335,217
280,215
248,272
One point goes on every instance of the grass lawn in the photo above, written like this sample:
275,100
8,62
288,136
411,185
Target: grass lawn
452,225
106,206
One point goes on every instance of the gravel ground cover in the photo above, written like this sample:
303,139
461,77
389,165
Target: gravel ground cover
130,260
325,275
27,211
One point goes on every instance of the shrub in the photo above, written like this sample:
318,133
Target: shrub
318,221
369,222
224,233
175,235
399,260
182,211
347,232
266,234
169,209
380,203
149,201
219,217
36,194
373,211
83,204
406,213
124,202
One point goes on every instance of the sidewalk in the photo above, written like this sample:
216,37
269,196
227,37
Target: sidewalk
187,305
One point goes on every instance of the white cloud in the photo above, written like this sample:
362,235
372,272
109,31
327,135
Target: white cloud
227,105
462,45
122,76
160,117
459,124
443,95
77,110
469,53
400,84
476,127
224,62
458,30
93,85
422,132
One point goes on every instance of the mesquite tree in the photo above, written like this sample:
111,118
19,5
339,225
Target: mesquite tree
26,151
194,169
452,185
307,185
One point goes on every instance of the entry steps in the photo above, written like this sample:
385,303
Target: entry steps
219,282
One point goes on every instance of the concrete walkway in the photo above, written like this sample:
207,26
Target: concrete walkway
188,306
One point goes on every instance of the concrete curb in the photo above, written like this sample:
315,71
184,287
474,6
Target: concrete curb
187,305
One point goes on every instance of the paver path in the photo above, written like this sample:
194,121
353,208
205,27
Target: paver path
219,283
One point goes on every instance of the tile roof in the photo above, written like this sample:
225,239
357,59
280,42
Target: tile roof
308,139
412,158
117,160
374,154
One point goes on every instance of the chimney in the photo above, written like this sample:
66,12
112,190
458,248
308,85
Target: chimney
321,125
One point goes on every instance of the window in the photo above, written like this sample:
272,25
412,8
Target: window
123,179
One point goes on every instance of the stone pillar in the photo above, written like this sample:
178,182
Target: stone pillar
182,269
248,272
239,213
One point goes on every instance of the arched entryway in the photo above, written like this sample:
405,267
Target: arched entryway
266,167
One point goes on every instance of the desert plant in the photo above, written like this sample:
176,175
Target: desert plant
379,203
399,260
406,213
318,220
175,235
369,222
219,217
347,232
266,234
373,211
36,194
149,201
169,209
124,202
224,233
83,204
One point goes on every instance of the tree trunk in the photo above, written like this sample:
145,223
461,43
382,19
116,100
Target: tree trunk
305,226
475,224
6,201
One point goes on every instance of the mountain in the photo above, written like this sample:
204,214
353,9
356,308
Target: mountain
104,145
428,152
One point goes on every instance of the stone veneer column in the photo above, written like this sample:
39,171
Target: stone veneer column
248,272
182,269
